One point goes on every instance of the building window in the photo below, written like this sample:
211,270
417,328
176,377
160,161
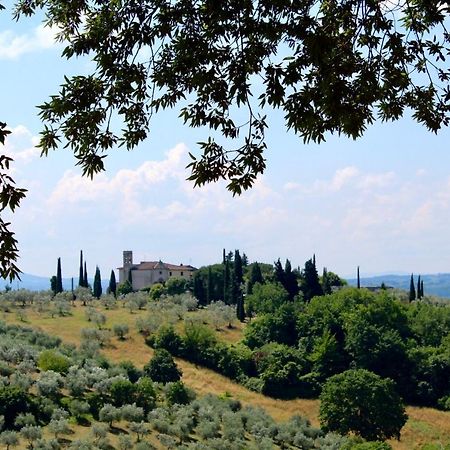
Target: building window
160,272
170,274
181,273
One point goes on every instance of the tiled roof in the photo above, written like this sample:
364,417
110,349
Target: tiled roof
155,265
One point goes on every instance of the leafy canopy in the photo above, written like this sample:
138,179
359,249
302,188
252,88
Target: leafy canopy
330,66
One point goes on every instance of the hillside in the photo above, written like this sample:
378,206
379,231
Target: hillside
434,284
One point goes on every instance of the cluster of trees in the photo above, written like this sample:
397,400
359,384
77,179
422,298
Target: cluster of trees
235,279
56,284
293,348
46,387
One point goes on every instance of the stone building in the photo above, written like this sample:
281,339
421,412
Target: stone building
147,273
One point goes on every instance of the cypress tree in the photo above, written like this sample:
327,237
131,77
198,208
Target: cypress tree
419,291
412,289
279,272
358,279
226,279
209,287
53,284
85,276
290,280
59,287
240,310
199,289
311,285
238,272
81,275
255,277
97,289
113,284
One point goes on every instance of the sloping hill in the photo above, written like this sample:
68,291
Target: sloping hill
434,284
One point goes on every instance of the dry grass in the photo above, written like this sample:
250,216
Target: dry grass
425,425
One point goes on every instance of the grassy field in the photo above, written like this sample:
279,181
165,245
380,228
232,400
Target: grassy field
425,425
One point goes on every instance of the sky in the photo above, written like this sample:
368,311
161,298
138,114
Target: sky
381,202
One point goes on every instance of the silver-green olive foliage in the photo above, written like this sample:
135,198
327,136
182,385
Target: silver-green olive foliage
331,66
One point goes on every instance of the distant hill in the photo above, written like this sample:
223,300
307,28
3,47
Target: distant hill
434,284
36,283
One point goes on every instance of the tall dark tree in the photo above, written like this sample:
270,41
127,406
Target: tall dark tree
199,290
419,290
81,275
209,286
326,285
278,272
112,284
255,277
244,260
240,309
358,279
311,285
290,280
412,289
53,284
59,286
227,279
85,276
97,288
237,268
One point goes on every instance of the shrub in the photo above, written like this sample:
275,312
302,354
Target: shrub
53,360
177,393
145,394
362,402
168,339
162,367
13,401
120,330
122,392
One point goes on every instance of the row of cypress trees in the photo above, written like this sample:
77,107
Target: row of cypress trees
56,281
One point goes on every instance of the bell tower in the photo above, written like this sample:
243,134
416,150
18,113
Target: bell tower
127,259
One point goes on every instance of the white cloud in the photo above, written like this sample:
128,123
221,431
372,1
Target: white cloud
21,145
124,187
13,46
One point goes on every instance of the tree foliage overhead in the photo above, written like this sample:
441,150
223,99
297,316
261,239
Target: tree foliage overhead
330,66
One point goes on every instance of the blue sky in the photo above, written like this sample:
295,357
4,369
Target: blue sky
381,202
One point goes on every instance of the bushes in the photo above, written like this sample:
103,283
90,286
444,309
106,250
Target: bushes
162,367
13,401
53,360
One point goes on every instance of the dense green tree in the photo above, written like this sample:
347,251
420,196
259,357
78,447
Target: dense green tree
124,288
310,281
122,392
412,289
209,286
162,367
255,277
290,280
176,285
238,268
13,401
59,286
266,298
419,291
361,402
53,284
97,288
358,279
112,287
278,272
199,291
